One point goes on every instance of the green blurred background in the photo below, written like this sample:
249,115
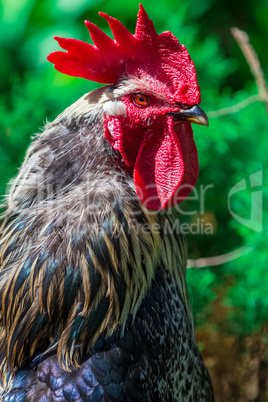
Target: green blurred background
230,301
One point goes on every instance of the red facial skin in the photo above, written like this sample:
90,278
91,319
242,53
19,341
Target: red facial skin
162,152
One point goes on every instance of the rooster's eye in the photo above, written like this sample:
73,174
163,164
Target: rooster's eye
141,99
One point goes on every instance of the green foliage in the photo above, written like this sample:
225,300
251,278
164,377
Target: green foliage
234,147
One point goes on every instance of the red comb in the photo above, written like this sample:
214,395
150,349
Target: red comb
108,60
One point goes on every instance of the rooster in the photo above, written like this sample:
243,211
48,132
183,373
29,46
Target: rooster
94,303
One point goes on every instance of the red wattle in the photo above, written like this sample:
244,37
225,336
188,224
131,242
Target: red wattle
191,166
114,135
159,166
165,160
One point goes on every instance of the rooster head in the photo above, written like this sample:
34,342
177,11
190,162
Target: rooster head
154,98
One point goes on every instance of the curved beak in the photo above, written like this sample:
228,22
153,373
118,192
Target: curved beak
194,114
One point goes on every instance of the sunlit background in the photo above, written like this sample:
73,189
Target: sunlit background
230,300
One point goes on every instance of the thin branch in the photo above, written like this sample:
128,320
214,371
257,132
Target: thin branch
219,259
235,108
252,59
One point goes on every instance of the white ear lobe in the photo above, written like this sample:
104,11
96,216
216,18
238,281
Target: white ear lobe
115,108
